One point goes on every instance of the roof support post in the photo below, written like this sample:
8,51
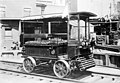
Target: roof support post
79,28
20,31
20,26
68,28
88,29
49,27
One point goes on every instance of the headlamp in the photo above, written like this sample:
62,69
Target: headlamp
52,51
83,43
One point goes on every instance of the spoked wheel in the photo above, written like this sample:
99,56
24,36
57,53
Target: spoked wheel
61,68
29,64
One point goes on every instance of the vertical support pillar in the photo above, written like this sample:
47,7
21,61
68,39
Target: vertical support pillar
1,39
19,31
23,32
107,60
68,28
79,29
49,27
86,28
20,24
110,25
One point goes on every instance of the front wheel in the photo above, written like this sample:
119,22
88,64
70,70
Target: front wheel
61,68
29,64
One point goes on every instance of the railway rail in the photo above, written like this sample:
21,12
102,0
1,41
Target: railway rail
8,69
43,75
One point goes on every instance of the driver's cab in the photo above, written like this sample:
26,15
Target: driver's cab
79,33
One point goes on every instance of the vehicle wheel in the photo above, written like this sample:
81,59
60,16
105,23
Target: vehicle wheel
61,68
29,64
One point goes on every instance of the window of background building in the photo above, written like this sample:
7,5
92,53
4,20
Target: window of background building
118,8
27,11
37,30
8,33
2,11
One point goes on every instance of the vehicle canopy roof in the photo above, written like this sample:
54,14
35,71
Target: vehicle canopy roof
82,15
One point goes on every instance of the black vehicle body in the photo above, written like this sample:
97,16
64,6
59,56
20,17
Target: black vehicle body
64,55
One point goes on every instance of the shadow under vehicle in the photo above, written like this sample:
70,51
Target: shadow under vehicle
65,56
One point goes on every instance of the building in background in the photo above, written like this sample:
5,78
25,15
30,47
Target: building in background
12,11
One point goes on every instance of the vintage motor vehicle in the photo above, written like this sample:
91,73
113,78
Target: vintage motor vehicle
65,56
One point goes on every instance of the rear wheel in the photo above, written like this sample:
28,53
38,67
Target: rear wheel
29,64
61,68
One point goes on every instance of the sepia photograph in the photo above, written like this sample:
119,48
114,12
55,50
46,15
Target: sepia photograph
59,41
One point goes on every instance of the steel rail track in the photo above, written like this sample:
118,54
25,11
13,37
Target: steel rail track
43,76
89,71
105,74
10,62
95,75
